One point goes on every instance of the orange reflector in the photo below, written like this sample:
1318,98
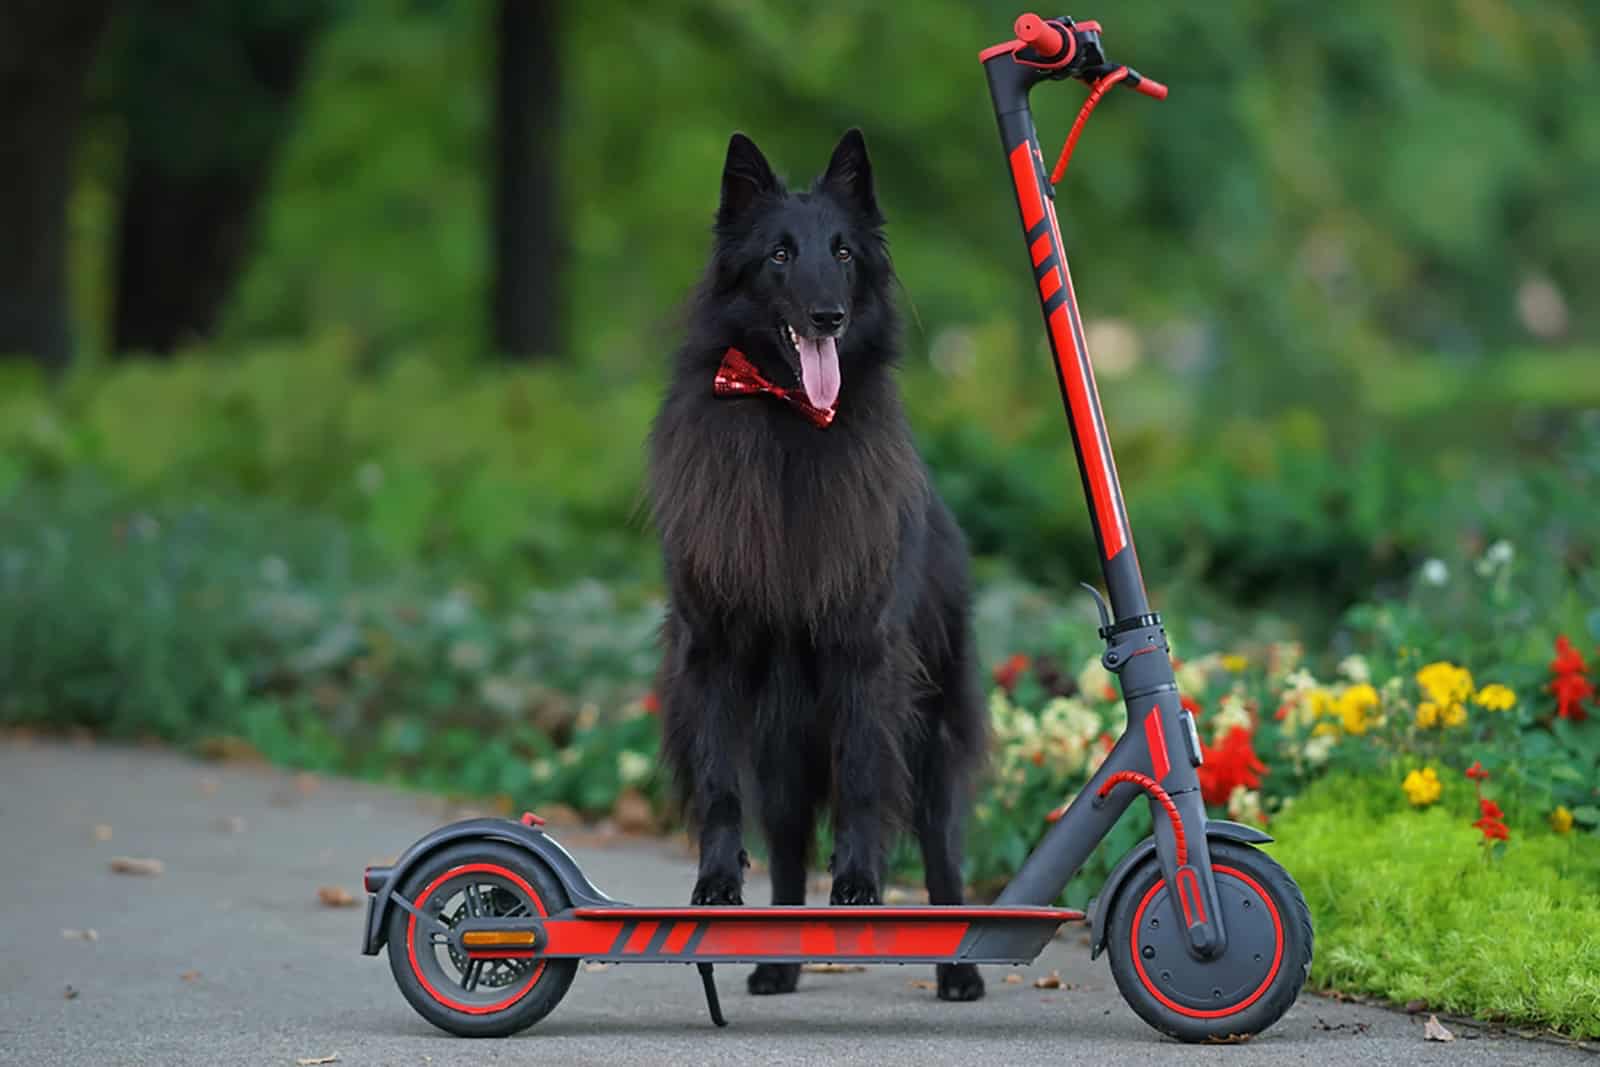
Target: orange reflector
497,938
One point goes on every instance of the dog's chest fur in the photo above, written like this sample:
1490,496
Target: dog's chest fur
761,512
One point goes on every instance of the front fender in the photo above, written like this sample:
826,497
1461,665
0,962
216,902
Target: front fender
1100,907
580,891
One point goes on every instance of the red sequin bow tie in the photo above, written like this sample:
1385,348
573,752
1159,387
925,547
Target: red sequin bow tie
738,377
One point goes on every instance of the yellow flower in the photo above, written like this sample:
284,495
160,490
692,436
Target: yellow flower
1321,703
1427,714
1454,715
1325,729
1561,819
1354,703
1445,683
1422,787
1495,697
1234,662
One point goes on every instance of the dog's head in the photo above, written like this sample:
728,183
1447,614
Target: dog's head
805,271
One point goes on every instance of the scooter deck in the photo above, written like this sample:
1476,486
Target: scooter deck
795,933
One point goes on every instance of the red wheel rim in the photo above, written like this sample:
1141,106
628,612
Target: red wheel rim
1215,1013
411,938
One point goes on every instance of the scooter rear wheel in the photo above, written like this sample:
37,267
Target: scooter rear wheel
1228,998
468,997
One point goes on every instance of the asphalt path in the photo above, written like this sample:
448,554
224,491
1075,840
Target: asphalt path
228,956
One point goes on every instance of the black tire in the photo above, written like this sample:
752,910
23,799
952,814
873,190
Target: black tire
516,993
1242,992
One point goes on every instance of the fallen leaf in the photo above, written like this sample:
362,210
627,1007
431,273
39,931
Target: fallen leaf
1013,979
189,976
1433,1030
832,968
81,935
208,784
70,993
312,1061
229,749
306,783
102,832
335,896
1415,1007
134,865
229,824
923,983
593,966
1048,981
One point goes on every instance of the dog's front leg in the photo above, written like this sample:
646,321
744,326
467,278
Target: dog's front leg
708,688
858,687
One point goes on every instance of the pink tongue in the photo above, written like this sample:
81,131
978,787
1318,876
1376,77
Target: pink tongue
819,371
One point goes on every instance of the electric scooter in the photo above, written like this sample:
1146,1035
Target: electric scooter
1209,939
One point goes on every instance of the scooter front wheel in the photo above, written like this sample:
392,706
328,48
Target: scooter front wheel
1230,997
475,997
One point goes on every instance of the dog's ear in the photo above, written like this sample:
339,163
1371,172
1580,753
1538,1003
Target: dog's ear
849,175
746,178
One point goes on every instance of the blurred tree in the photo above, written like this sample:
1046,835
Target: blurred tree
208,97
530,251
46,47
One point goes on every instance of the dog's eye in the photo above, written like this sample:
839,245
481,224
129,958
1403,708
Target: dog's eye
780,255
843,255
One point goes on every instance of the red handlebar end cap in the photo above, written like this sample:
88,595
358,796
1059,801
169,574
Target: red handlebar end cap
1039,35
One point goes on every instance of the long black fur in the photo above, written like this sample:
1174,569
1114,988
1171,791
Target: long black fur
817,649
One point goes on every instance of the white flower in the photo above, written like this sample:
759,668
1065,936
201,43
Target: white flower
1354,668
632,767
541,770
1094,680
1434,572
1244,804
1319,748
1500,553
1231,713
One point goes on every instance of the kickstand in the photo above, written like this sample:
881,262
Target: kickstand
712,1003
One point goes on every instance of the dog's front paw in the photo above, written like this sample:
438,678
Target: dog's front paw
717,889
852,888
769,978
959,981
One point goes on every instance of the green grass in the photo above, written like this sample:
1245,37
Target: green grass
1407,906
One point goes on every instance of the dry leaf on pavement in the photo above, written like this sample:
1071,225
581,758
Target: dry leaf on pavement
189,976
335,896
1013,979
923,983
81,935
102,832
70,993
1048,981
134,865
312,1061
832,968
1433,1030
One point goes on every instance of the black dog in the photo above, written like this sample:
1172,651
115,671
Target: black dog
818,651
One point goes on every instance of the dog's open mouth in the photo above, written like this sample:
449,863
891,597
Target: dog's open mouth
819,367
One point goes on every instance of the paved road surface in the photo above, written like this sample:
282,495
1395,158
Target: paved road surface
227,957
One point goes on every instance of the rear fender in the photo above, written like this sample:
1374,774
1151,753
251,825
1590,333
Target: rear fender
1100,907
580,891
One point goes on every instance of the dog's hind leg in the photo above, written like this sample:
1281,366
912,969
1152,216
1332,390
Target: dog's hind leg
786,774
938,804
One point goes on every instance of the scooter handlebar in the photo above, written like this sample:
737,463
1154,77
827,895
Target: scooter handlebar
1074,48
1039,34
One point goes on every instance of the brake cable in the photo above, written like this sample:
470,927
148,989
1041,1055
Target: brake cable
1101,86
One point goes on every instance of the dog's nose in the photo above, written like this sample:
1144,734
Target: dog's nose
828,319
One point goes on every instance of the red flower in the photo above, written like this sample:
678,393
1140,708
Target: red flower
1569,690
1493,829
1568,659
652,703
1232,763
1190,704
1282,712
1489,809
1006,675
1477,773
